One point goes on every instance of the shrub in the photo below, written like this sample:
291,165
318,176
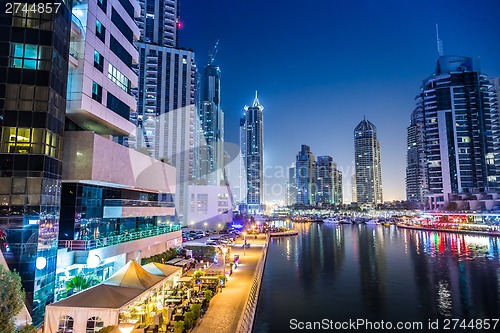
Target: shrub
208,295
179,327
162,257
196,309
189,320
107,329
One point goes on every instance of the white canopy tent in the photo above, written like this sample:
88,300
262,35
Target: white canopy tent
102,302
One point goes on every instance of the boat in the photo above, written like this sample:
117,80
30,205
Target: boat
371,222
331,220
346,221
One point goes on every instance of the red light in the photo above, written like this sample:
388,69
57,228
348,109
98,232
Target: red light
179,25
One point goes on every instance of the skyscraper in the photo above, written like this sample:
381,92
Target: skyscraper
242,190
34,65
324,179
291,186
212,125
254,155
166,113
368,164
416,165
159,21
337,192
305,171
459,144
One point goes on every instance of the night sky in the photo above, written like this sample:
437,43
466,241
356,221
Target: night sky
321,65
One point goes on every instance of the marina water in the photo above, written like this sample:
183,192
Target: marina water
342,272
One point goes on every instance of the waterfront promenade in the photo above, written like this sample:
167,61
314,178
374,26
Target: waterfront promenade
467,232
226,308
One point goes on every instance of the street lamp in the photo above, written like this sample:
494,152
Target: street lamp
244,242
224,250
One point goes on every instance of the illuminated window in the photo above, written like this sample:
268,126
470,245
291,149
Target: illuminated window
102,4
16,140
118,78
32,19
100,31
30,56
490,158
465,139
98,60
96,92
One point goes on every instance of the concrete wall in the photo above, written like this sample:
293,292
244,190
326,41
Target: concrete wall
90,157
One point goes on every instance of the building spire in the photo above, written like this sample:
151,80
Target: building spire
256,100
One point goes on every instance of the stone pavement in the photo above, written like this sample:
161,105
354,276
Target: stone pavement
226,308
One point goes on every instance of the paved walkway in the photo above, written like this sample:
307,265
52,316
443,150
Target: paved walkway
226,308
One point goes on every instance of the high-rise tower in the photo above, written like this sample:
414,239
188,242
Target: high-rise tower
254,155
159,21
460,132
305,171
368,165
212,125
166,110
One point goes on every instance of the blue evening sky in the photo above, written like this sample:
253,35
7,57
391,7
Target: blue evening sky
320,65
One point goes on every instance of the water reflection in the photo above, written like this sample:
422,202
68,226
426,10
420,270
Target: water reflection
375,272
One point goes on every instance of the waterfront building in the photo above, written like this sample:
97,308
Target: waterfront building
354,195
368,164
324,179
117,203
337,191
291,186
460,132
34,57
416,164
254,156
305,175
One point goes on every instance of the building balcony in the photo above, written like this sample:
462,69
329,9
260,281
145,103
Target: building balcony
91,244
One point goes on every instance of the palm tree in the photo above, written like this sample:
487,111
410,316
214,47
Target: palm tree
81,282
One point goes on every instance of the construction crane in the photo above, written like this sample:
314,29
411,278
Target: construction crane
211,55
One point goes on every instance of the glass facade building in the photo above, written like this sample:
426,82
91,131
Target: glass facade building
368,164
34,51
454,134
305,176
212,128
254,155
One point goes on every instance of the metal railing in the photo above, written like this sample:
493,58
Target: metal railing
136,203
247,318
84,245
